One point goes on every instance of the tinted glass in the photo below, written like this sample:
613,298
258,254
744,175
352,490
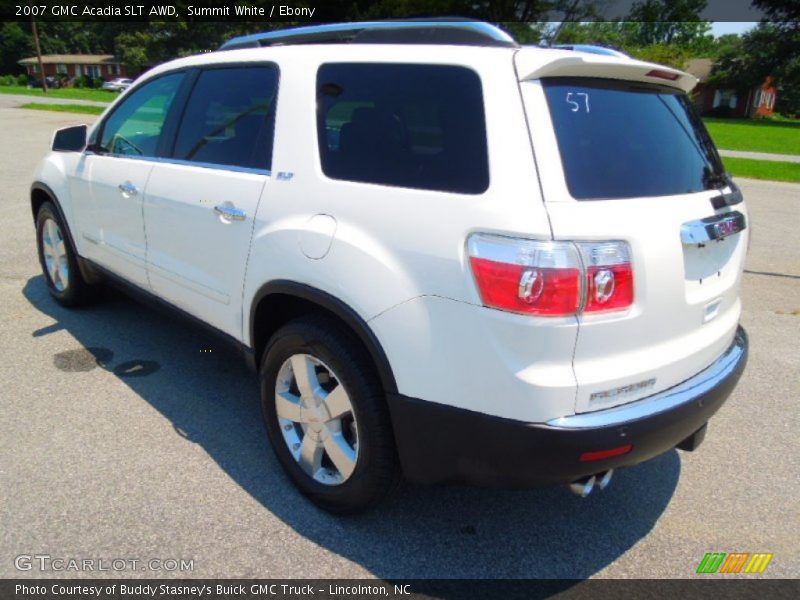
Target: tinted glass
416,126
230,118
134,127
623,140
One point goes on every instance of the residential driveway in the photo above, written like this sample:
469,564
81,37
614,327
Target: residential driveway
127,433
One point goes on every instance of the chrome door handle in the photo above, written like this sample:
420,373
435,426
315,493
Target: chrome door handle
128,188
231,213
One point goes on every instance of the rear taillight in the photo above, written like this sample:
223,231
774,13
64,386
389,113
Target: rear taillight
609,277
550,278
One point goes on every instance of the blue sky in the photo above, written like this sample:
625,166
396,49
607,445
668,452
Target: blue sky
722,27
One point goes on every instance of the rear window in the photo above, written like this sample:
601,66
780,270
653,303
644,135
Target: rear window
626,140
406,125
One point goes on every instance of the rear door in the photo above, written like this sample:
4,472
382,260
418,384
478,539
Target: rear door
202,200
630,161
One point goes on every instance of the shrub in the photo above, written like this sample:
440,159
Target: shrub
80,82
22,79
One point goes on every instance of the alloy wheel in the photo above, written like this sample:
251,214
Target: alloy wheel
316,418
55,255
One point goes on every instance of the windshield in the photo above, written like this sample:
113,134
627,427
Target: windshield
625,139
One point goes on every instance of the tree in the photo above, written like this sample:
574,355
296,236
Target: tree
626,36
15,44
771,49
612,34
671,55
669,21
132,50
782,11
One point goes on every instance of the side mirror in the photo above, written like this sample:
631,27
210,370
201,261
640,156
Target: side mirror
70,139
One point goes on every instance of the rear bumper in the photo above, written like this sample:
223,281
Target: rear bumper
442,444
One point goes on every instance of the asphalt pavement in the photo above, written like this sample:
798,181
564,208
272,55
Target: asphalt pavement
125,433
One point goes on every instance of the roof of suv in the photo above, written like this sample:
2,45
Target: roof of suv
452,31
462,39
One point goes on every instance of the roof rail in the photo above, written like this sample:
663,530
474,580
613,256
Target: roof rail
591,49
451,30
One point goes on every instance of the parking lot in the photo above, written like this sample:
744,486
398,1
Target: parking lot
125,433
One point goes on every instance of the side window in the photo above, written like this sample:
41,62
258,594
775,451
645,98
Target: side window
406,125
134,127
230,118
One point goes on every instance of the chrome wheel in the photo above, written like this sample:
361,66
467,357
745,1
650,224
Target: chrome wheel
55,255
316,418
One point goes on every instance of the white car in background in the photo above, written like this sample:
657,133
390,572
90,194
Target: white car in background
447,256
117,85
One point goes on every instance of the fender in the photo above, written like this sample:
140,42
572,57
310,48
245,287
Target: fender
43,187
332,304
89,274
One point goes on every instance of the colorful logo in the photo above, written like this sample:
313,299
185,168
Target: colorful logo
735,562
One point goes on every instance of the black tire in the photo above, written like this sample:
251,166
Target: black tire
70,290
376,472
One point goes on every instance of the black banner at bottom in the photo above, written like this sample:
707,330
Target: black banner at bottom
412,589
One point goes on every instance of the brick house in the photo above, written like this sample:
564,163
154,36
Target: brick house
758,101
102,66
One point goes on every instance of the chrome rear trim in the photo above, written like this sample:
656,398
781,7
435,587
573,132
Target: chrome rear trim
713,228
683,393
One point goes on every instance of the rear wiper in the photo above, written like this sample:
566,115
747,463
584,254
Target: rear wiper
721,181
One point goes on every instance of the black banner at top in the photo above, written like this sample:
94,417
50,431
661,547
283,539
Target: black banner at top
343,10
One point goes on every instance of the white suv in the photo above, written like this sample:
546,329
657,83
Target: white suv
448,256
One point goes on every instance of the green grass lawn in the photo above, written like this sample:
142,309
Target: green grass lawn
71,108
763,169
65,93
755,135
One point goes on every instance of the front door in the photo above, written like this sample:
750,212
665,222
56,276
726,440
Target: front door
109,186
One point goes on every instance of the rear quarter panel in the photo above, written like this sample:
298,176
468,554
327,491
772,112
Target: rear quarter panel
391,244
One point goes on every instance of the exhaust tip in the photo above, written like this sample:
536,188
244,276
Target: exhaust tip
605,480
583,487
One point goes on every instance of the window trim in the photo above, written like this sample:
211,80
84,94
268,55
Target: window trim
169,143
316,128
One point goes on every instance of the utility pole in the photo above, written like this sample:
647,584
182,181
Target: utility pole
39,53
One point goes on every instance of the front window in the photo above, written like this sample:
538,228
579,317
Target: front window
134,128
625,139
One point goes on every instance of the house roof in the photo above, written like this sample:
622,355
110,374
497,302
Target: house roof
700,68
72,59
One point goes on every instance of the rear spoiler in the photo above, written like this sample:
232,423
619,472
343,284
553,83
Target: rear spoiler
535,63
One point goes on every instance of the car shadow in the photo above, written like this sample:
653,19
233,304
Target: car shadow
211,399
